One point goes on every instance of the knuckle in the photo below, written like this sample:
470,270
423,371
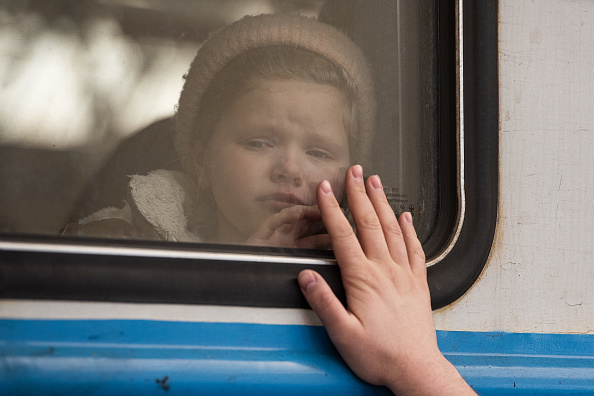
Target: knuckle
356,189
338,227
324,303
287,212
394,230
286,215
362,278
368,223
342,233
418,253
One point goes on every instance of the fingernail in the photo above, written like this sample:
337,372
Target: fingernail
306,280
408,217
376,182
326,187
358,172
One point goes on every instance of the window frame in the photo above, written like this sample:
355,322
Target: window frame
45,267
460,261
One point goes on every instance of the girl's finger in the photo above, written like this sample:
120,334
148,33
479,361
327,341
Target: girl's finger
310,227
321,241
288,216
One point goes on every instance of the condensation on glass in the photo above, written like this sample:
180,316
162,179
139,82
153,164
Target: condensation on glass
80,79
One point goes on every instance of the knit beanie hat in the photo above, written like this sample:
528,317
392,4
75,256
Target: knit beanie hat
260,31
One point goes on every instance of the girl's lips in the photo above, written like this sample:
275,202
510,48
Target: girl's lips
279,201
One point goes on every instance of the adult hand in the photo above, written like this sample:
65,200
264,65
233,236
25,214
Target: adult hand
386,335
297,226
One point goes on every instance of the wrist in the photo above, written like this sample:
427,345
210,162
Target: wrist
434,375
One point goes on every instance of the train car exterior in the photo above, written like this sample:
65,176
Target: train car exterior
523,324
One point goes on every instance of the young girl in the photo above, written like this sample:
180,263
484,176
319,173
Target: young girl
272,105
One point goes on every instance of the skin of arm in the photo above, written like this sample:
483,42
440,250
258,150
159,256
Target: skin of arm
386,335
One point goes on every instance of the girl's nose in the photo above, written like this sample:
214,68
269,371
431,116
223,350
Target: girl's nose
288,169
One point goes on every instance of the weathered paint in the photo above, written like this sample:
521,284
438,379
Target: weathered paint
115,357
106,357
539,276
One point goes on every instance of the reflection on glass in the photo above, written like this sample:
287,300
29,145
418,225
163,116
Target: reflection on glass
270,106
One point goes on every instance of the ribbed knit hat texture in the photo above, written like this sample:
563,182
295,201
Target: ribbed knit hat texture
253,32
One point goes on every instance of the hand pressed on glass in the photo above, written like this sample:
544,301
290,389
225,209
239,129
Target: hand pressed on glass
386,335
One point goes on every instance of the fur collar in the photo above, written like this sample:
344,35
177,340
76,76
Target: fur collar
160,200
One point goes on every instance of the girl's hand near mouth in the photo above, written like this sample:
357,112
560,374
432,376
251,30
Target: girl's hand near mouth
296,226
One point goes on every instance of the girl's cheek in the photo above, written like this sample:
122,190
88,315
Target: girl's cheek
337,182
334,174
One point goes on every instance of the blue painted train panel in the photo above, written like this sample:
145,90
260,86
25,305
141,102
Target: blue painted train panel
149,357
107,357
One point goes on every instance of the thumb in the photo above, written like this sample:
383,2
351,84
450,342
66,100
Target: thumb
322,300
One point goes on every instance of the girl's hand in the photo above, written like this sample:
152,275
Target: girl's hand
298,226
386,335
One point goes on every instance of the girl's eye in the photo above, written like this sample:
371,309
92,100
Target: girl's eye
257,144
321,154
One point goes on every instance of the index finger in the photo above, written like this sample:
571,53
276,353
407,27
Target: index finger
344,241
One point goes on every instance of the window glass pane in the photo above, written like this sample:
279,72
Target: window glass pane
89,89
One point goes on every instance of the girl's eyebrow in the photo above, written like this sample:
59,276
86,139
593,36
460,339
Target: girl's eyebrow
258,126
329,139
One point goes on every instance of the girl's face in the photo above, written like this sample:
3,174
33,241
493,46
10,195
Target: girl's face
270,150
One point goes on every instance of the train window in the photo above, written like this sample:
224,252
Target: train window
104,163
